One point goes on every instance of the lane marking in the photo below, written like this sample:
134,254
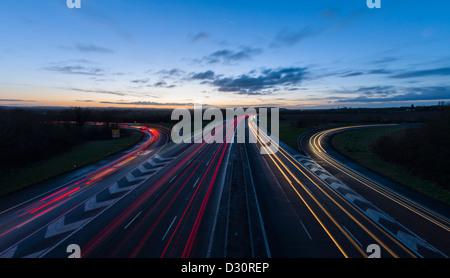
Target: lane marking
9,253
266,243
59,226
59,223
196,182
132,220
168,229
352,236
93,204
305,230
173,178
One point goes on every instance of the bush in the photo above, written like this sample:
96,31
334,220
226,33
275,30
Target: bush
26,138
422,150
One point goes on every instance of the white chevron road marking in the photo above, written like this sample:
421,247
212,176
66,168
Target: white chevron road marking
59,227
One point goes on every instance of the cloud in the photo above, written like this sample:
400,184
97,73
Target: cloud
92,48
76,69
16,100
362,72
31,22
329,13
150,103
171,73
264,83
226,56
376,91
209,74
140,81
115,93
352,74
95,15
99,92
379,71
423,73
288,38
396,74
385,60
165,75
162,84
200,36
392,94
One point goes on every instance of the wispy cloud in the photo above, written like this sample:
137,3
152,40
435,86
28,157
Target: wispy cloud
398,74
96,16
423,73
99,91
379,71
287,38
16,100
31,22
149,103
76,70
365,72
385,60
227,56
92,48
352,74
200,36
140,81
162,84
175,72
114,93
392,94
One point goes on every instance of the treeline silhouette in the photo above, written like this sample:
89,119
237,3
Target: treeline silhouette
316,118
423,150
30,135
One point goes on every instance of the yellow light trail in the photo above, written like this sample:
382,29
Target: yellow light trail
294,162
309,208
107,171
125,161
102,174
317,148
343,209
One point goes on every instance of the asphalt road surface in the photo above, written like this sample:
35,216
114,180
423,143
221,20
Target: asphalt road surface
417,223
218,200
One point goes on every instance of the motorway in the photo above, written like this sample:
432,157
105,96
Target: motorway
338,221
415,221
35,219
147,203
219,200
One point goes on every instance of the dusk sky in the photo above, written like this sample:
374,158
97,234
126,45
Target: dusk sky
166,53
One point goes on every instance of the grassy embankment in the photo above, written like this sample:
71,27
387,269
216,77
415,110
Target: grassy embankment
79,156
289,133
356,144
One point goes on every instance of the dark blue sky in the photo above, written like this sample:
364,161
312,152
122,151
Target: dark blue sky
141,53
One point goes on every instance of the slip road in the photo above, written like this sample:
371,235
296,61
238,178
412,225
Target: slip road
229,267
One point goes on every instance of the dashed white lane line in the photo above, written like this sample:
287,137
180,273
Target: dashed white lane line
196,182
132,220
168,229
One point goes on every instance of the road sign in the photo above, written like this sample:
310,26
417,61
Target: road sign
116,133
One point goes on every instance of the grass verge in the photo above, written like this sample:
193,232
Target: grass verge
355,144
289,133
77,157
